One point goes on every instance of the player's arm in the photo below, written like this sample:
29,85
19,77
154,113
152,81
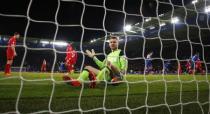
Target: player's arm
92,55
193,59
124,64
13,48
99,63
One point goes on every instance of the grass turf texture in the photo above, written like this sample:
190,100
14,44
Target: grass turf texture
151,93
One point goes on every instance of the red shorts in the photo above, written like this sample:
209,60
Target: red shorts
198,66
43,65
10,54
43,68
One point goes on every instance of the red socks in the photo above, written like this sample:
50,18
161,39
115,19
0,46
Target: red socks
7,68
75,83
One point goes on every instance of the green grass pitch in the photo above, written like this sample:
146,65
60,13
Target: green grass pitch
45,93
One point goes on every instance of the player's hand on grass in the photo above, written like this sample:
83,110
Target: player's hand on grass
91,53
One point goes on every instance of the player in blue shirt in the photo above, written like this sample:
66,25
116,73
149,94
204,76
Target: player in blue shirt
194,59
148,63
166,66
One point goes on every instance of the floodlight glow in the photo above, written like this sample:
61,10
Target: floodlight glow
60,43
161,15
162,24
132,31
194,1
140,29
152,27
92,40
137,24
148,19
44,42
127,28
175,20
207,9
120,40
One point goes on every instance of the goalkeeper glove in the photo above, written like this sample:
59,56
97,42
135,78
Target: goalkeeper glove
91,53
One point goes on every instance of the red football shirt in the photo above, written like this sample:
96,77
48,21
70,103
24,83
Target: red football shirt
71,55
12,41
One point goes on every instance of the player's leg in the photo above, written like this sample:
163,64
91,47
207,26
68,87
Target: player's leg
201,70
67,67
42,68
180,71
116,77
104,75
8,65
6,71
190,71
45,69
71,81
196,67
89,73
72,69
165,70
193,68
93,74
146,67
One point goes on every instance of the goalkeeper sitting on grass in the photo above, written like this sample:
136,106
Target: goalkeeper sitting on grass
110,70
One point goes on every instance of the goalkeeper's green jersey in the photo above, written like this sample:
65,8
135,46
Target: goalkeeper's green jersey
116,58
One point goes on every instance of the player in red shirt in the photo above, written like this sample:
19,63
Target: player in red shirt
43,67
198,66
71,58
11,53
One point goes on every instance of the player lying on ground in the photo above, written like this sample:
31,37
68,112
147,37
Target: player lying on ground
111,69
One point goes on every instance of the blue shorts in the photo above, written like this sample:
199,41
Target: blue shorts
148,63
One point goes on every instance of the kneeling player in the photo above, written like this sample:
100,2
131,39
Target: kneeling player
110,70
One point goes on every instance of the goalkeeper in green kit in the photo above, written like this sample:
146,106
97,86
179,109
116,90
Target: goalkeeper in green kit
111,69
